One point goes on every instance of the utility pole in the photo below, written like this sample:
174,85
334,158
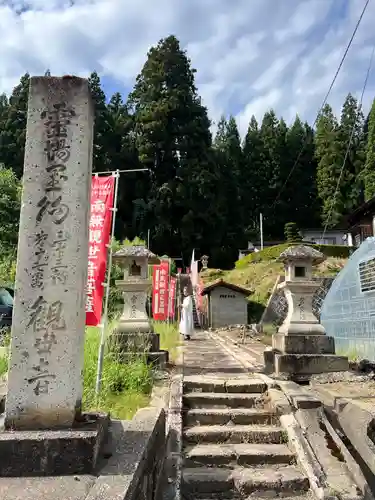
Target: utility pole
261,230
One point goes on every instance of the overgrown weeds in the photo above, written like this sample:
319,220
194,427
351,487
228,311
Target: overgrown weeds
170,338
125,387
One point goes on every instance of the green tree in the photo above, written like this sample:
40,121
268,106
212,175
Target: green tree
369,170
291,232
254,187
230,233
102,135
10,205
273,135
13,132
300,192
172,133
351,134
329,157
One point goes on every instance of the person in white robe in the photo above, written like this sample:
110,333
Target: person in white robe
186,327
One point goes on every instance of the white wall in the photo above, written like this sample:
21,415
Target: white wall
330,237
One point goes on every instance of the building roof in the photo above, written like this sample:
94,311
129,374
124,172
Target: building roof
321,230
365,209
302,252
136,251
220,282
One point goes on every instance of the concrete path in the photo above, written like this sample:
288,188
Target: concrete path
202,356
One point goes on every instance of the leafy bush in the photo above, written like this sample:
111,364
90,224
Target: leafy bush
272,253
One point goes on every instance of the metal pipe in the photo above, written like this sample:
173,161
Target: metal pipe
107,288
121,171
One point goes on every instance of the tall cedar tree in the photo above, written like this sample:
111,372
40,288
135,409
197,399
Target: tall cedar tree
329,156
369,170
173,139
300,192
351,134
273,135
229,209
255,183
102,136
13,135
123,155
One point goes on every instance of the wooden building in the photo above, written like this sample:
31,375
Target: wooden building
227,304
361,223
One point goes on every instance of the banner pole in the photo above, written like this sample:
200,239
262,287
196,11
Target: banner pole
103,324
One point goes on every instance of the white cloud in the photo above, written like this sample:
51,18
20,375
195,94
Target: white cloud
250,55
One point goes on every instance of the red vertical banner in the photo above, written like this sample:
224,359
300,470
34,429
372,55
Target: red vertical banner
200,287
160,276
102,193
172,297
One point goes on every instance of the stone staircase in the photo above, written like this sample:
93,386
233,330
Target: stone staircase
233,446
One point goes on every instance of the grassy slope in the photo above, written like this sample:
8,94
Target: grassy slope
261,276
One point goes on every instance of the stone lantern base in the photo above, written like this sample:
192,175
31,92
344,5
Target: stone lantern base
134,335
301,347
298,357
129,345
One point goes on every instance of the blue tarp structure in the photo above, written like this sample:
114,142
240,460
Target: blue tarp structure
348,311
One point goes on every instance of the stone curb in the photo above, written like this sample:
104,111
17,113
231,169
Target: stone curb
354,468
286,398
172,467
356,420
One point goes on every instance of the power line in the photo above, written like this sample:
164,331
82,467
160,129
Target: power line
324,101
359,108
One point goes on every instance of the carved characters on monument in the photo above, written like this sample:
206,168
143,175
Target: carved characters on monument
301,307
46,319
59,269
133,307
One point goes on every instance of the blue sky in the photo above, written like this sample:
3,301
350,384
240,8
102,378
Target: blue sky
250,55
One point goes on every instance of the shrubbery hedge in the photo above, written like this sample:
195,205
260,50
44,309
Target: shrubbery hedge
272,253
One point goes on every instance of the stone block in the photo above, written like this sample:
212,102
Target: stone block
46,358
135,342
303,344
309,364
269,360
54,452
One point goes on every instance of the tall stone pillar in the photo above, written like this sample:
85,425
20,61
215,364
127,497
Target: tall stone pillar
301,347
46,355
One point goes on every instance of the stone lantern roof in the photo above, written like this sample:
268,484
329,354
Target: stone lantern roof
136,252
302,253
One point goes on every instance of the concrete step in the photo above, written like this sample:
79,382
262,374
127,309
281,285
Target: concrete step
246,481
267,434
232,455
222,416
222,400
219,384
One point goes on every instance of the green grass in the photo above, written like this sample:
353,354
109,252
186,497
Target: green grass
125,387
170,338
3,365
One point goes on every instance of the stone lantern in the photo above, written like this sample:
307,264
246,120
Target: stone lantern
134,332
301,347
204,260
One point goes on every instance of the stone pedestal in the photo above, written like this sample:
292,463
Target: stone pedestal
134,333
301,347
43,428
